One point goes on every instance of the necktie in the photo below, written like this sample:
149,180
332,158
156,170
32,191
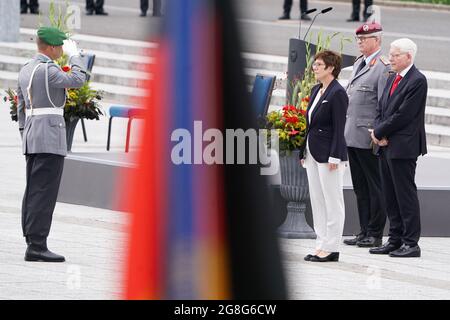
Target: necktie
361,65
395,84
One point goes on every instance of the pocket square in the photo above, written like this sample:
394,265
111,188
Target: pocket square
324,101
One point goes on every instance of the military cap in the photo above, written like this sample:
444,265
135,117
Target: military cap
369,28
51,36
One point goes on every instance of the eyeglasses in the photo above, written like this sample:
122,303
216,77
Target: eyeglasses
396,55
317,64
362,39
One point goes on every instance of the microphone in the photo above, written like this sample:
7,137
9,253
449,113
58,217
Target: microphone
314,19
300,22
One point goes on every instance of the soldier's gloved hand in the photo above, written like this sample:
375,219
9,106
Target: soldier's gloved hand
70,48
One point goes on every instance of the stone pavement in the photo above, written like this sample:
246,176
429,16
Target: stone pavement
361,276
93,242
91,239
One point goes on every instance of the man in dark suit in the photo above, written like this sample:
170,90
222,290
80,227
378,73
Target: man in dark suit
287,5
400,132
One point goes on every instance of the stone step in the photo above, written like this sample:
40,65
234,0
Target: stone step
436,80
130,78
264,61
279,64
438,135
437,116
118,93
102,58
108,44
437,125
436,97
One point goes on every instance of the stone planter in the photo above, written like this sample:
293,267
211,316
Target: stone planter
294,189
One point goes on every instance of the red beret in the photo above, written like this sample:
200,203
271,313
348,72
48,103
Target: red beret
369,28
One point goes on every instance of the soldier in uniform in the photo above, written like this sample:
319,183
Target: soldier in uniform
366,84
41,99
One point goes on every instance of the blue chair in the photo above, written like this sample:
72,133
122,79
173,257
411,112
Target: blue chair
123,112
261,93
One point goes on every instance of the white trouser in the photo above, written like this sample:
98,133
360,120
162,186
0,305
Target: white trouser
327,201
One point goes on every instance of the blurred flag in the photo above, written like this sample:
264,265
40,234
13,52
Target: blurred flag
198,231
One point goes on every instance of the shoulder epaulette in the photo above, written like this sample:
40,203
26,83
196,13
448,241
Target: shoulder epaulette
384,60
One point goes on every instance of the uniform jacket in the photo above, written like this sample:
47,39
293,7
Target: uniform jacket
46,133
364,90
325,132
401,117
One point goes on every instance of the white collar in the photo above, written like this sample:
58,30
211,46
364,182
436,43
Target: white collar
405,71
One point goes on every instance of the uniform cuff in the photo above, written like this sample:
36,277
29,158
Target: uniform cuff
334,160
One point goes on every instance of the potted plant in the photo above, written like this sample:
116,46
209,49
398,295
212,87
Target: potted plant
290,124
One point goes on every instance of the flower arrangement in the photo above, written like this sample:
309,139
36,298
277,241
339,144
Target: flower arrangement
81,102
290,124
290,121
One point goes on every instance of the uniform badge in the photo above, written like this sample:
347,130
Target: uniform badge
365,27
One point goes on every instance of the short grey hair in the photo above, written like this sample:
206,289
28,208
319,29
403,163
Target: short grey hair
406,46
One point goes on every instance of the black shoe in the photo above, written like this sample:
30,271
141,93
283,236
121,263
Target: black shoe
89,12
333,256
353,241
352,19
385,249
34,11
285,16
305,17
101,13
143,14
309,256
406,251
369,242
23,11
42,255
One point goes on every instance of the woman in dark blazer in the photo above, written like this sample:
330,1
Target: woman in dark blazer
325,155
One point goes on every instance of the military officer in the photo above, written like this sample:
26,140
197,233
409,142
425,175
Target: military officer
366,84
41,98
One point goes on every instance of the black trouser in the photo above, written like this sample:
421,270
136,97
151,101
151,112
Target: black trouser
44,171
365,172
288,5
357,8
156,7
402,203
33,4
97,7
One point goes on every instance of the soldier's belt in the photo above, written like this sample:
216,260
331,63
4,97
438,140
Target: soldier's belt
41,111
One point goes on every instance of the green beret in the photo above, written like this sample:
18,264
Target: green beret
51,36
